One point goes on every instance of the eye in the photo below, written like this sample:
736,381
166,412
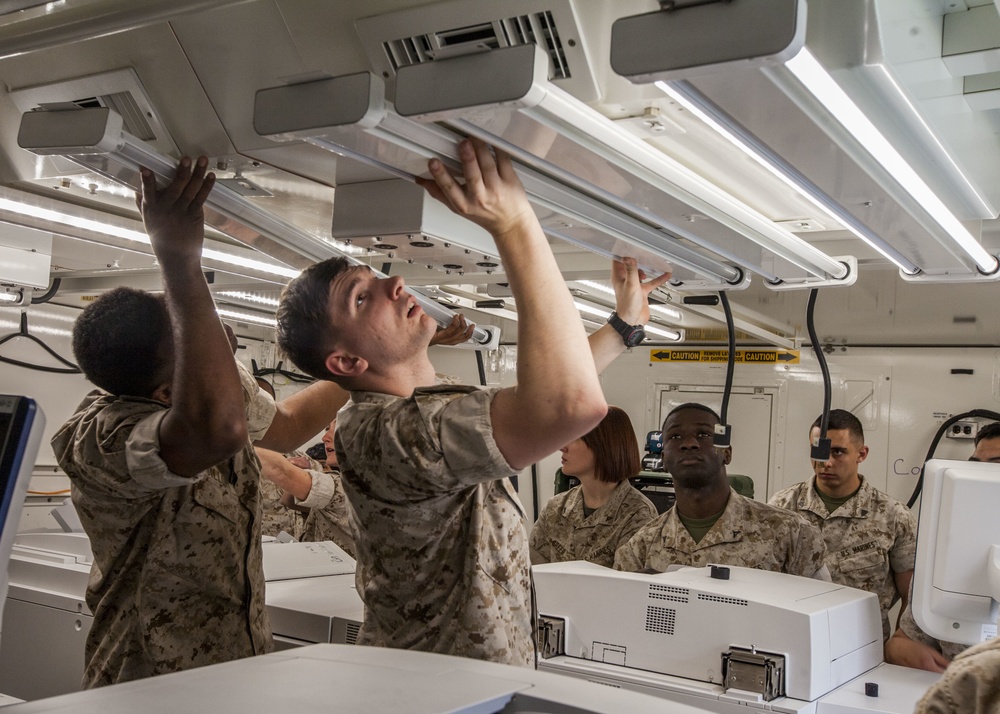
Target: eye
359,299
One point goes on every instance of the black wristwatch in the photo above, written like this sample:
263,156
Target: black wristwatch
632,335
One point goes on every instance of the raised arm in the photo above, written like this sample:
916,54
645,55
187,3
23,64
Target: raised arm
303,415
205,423
632,305
558,397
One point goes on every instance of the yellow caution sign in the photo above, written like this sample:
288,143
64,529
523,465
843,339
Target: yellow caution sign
742,356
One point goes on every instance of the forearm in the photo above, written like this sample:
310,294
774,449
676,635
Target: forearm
606,345
303,415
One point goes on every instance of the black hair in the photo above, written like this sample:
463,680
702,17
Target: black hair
989,431
693,405
317,452
119,339
841,419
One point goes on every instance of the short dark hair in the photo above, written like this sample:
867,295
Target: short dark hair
616,452
989,431
693,405
841,419
118,341
303,316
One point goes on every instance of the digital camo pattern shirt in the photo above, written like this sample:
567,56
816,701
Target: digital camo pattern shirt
441,543
912,630
749,534
329,515
868,539
970,685
177,580
562,532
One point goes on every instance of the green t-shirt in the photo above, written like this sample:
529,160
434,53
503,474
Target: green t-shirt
698,527
832,504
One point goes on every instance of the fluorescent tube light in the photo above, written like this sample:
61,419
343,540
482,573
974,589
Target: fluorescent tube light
711,114
821,85
589,309
7,295
671,335
247,317
249,297
81,223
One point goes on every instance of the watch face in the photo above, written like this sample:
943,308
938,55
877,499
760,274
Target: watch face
635,337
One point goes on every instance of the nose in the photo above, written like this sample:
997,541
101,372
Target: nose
395,287
689,443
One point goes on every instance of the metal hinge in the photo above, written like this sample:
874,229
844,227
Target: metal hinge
753,671
551,636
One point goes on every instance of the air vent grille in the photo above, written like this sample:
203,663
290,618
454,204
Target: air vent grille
660,619
668,592
351,633
723,599
538,28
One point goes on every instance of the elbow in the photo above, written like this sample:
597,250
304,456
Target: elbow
228,438
587,412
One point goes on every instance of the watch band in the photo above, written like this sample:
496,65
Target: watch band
632,335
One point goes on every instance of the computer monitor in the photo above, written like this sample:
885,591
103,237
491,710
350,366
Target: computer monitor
21,426
956,581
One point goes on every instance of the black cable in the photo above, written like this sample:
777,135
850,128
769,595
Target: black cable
291,376
820,451
723,436
482,367
48,294
23,332
731,365
981,413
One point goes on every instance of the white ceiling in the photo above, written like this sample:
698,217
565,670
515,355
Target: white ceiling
201,63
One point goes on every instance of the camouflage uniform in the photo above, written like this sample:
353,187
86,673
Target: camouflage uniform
177,581
970,685
912,630
868,539
440,536
748,533
275,516
563,533
329,513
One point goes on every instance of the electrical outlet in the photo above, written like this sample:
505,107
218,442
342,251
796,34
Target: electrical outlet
966,429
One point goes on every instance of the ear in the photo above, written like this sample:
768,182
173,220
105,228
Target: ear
727,455
862,454
162,393
342,364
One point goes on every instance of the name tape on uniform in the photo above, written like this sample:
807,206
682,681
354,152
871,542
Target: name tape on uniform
742,356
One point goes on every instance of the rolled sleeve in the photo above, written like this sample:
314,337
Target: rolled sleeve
322,491
903,555
142,456
260,407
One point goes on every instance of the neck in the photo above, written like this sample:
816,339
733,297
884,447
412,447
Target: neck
400,380
842,491
703,501
596,493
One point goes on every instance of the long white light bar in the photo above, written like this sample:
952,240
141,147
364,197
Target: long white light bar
822,86
603,313
349,116
441,90
711,114
247,317
81,223
94,139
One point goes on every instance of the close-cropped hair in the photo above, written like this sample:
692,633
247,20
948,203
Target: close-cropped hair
989,431
303,317
693,405
118,341
841,419
616,452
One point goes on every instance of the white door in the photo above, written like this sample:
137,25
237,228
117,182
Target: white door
751,413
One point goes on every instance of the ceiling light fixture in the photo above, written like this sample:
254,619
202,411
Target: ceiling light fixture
923,201
247,317
685,94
